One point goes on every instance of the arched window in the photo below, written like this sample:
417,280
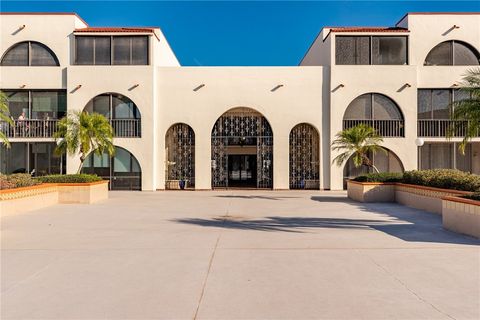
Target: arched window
122,170
29,53
304,157
180,151
120,110
378,111
453,53
384,162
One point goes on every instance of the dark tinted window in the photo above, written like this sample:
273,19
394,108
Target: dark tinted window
436,103
113,106
37,104
389,50
355,50
372,106
450,53
125,50
29,53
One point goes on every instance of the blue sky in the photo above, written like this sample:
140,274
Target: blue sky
240,33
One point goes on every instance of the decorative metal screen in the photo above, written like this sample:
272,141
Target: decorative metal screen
180,151
304,157
242,126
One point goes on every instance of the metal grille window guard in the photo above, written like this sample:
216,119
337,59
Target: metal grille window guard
386,128
304,157
122,128
440,128
180,150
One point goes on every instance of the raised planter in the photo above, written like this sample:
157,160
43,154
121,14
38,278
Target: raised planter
82,192
371,191
47,194
461,215
424,198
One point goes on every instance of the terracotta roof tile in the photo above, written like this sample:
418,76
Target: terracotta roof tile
116,29
368,29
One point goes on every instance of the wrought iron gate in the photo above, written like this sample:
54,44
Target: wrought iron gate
242,127
180,151
304,157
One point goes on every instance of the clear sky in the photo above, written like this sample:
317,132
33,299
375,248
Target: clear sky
240,33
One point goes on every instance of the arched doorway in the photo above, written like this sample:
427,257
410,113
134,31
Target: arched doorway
304,157
180,156
242,150
385,162
122,170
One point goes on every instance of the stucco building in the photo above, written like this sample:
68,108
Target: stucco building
218,127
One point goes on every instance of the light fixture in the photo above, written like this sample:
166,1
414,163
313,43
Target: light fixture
408,85
135,85
341,85
419,142
21,27
23,86
276,88
199,87
455,85
456,27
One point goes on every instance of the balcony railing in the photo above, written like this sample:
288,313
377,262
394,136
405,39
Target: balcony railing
126,128
122,128
29,128
440,128
386,128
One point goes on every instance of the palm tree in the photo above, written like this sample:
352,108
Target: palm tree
467,109
357,142
83,133
4,117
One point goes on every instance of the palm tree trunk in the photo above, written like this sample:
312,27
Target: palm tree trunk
375,168
82,159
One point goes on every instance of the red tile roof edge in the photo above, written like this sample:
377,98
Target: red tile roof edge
44,14
117,29
367,29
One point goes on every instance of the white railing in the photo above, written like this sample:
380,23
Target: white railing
385,128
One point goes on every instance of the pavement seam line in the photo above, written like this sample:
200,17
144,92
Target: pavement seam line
210,263
407,288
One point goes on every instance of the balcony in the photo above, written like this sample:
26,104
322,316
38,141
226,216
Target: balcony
386,128
122,128
440,128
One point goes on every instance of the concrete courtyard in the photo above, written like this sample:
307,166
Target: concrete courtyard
235,255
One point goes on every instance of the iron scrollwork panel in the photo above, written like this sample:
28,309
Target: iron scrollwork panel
180,142
304,157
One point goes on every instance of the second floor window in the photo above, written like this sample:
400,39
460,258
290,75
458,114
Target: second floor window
29,53
37,104
375,50
436,103
111,50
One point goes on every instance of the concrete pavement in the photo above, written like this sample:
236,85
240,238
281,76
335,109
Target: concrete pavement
236,255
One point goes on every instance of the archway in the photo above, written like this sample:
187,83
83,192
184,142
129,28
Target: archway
122,170
180,156
122,112
242,150
304,157
385,162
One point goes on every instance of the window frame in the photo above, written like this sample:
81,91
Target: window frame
29,55
370,48
451,107
452,54
112,55
30,99
372,106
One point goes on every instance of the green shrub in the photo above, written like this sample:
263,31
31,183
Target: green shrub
69,178
443,178
17,180
380,177
475,196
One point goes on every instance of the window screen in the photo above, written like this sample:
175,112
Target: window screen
102,50
372,106
84,50
41,55
29,53
121,50
352,50
464,55
389,50
48,104
18,102
452,53
140,50
17,55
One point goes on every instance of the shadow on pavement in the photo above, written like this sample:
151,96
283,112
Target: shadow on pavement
402,222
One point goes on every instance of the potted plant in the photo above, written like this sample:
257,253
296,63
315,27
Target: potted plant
182,183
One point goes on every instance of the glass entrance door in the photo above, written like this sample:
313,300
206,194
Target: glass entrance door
242,171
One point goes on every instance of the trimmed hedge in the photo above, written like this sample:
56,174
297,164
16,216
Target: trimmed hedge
17,180
380,177
437,178
443,178
69,178
475,196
